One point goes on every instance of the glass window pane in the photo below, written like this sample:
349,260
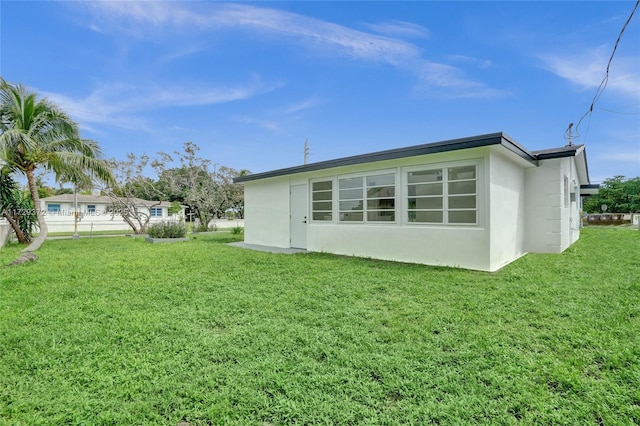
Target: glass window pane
322,186
384,191
351,205
468,187
463,172
322,205
425,189
380,180
384,203
351,194
381,216
322,216
425,203
351,183
464,216
462,202
425,217
425,176
351,217
318,196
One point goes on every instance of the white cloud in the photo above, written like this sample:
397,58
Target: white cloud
117,103
449,82
265,124
587,70
400,28
481,63
142,18
300,106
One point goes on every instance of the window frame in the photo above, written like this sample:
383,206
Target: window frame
153,212
365,198
52,210
331,179
445,196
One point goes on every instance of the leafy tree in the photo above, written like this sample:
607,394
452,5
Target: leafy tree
619,194
36,133
195,180
175,208
231,194
132,193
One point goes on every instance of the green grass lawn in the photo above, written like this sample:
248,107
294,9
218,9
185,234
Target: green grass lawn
119,331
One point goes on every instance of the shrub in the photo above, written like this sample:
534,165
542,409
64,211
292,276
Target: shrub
237,230
167,230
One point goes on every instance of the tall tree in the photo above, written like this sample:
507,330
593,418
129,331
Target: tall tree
231,194
37,133
620,195
132,193
195,179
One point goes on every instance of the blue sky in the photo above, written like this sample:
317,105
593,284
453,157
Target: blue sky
248,82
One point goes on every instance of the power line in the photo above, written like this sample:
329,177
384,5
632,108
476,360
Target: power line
618,112
605,79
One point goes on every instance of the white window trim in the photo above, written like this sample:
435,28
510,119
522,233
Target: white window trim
334,208
480,193
396,173
151,211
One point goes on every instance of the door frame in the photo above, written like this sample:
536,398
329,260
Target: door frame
298,215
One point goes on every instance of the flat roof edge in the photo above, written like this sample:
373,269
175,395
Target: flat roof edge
412,151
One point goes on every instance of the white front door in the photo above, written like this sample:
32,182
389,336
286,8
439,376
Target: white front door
298,216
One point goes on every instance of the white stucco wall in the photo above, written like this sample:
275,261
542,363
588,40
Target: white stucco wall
575,206
5,231
266,212
457,247
551,227
520,209
507,210
543,231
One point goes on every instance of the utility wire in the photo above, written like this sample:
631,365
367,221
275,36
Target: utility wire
605,79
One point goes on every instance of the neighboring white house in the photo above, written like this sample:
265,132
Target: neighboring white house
93,214
477,203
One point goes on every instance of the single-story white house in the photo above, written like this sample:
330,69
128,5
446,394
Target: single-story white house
478,203
93,214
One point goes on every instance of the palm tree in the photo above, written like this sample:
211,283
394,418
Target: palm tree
36,133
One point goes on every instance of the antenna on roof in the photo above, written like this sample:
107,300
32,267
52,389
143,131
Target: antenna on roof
568,136
306,151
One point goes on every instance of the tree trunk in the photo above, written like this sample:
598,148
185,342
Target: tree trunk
22,239
37,242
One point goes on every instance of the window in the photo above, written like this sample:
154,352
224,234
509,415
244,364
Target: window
566,191
351,199
53,208
322,200
91,208
462,199
156,211
381,201
367,198
445,195
425,191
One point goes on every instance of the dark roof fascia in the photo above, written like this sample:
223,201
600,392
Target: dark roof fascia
392,154
590,186
565,151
